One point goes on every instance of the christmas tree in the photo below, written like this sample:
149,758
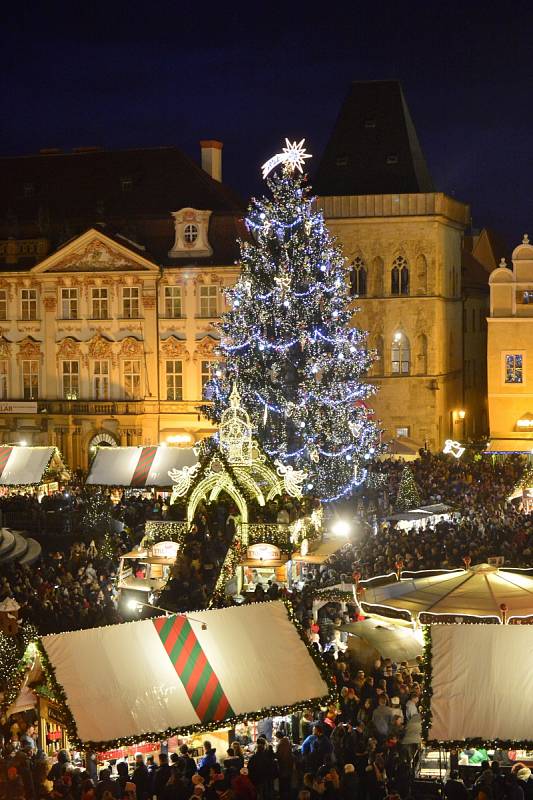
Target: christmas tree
408,496
289,345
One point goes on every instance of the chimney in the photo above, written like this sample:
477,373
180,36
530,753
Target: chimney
212,158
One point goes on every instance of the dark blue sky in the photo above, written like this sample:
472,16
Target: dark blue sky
140,74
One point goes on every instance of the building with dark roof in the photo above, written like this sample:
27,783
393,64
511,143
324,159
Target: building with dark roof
408,269
112,271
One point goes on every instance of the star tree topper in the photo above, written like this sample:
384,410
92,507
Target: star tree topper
293,155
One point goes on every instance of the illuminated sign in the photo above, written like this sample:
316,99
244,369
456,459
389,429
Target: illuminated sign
524,423
263,552
454,448
165,550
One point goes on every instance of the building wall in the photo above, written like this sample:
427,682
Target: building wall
510,337
71,414
426,231
475,313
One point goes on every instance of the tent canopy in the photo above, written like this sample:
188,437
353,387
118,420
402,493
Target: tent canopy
478,591
510,446
156,677
321,552
22,466
481,678
390,641
138,467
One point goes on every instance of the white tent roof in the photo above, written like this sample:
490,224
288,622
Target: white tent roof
144,678
22,466
138,466
481,679
391,641
478,591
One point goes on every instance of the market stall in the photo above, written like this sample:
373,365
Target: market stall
151,679
264,562
421,517
147,569
483,591
370,639
139,467
312,554
41,467
478,681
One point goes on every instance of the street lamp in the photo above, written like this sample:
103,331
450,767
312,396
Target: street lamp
137,605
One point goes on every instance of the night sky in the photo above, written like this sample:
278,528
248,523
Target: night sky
148,74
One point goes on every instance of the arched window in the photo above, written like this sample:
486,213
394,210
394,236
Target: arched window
399,277
422,354
421,274
400,355
358,277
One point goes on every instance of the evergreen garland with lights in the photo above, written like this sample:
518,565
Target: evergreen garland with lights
12,662
289,345
408,496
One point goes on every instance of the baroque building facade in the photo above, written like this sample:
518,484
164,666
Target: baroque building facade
510,354
105,339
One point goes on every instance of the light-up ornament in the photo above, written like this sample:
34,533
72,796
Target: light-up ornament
453,448
293,155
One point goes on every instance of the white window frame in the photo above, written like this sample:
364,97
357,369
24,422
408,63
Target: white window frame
174,379
173,301
70,380
132,378
403,348
30,369
191,233
4,379
69,303
208,297
100,379
28,304
131,302
402,430
99,300
3,304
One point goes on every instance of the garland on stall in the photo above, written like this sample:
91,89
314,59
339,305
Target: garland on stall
427,716
13,663
166,531
315,703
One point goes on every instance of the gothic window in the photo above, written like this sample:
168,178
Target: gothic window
358,276
399,277
400,355
422,354
378,363
377,276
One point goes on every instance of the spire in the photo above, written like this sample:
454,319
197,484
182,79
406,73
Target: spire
374,148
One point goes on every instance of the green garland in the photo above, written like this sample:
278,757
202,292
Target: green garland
13,663
165,531
427,669
313,703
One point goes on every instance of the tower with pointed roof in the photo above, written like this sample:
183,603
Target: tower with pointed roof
402,240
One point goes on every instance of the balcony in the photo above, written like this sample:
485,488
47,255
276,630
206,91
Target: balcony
92,407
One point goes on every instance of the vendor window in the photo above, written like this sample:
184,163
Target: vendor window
514,368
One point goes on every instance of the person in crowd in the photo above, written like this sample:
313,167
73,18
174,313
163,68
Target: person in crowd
208,760
454,788
160,776
125,789
141,778
186,763
262,769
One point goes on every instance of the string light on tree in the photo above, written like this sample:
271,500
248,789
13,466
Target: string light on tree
289,343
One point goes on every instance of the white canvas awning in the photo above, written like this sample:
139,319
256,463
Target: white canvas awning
138,467
146,678
388,640
22,466
481,679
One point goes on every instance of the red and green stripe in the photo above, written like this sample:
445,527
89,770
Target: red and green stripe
198,677
5,452
146,459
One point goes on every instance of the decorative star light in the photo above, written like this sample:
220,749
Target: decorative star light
293,155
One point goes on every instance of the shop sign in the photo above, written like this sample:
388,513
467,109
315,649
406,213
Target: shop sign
304,547
18,407
263,552
55,715
53,736
165,550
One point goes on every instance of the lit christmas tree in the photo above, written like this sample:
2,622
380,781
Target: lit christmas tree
408,496
288,343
